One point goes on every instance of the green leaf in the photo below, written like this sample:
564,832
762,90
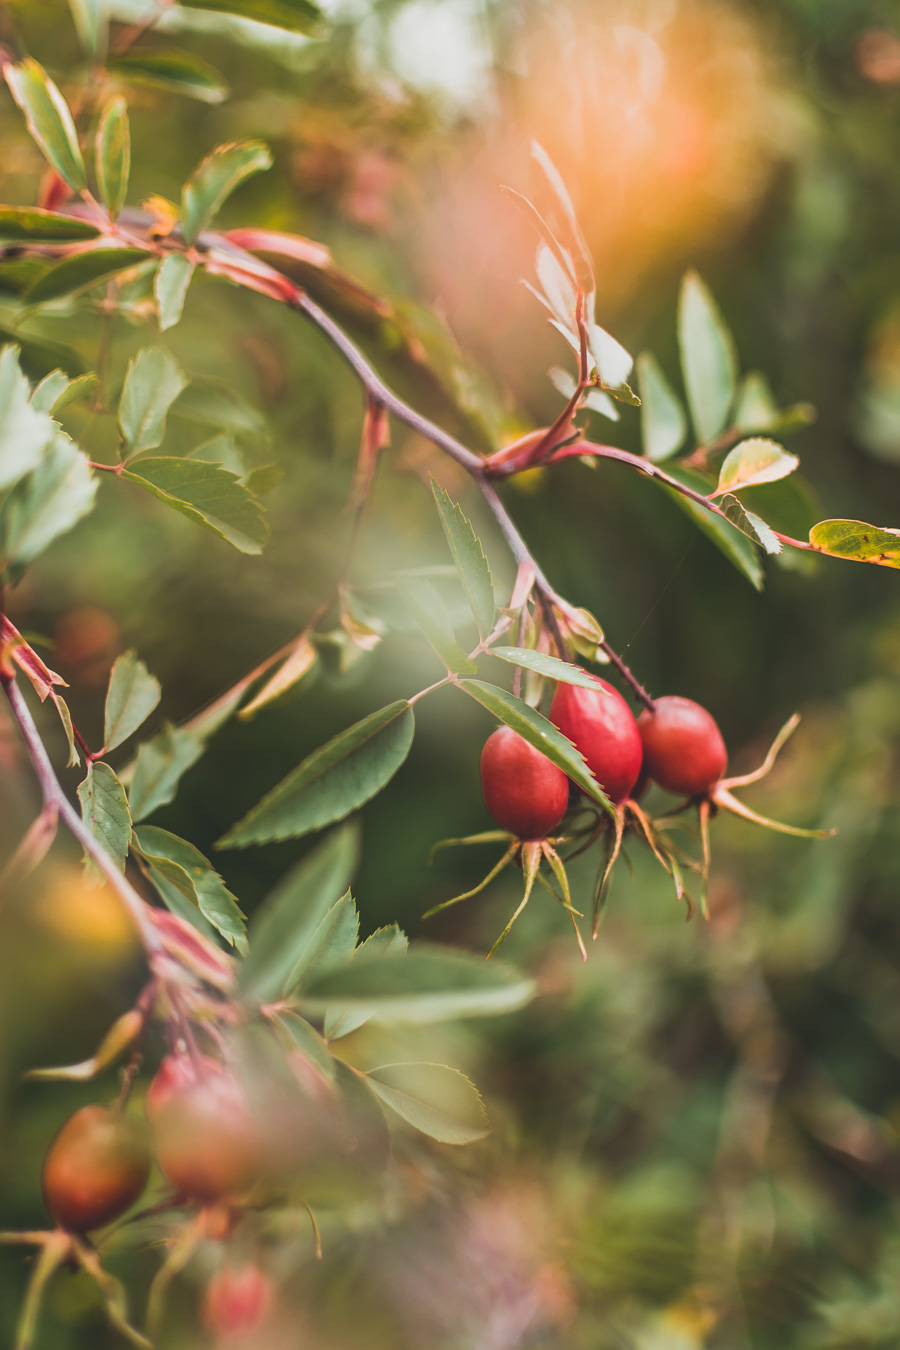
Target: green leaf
91,25
429,612
433,1098
51,388
170,287
207,494
333,940
753,526
753,463
113,156
426,984
74,392
153,382
31,225
708,358
381,942
104,809
755,408
736,547
158,769
384,941
663,423
331,782
468,557
295,16
49,120
857,541
309,1043
182,72
215,178
81,270
39,357
539,732
25,429
215,901
284,923
133,694
47,503
177,890
542,664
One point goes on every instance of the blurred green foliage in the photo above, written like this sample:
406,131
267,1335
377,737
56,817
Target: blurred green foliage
696,1135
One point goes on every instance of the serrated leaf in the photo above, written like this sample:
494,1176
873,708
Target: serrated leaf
153,382
429,612
857,541
51,388
25,429
158,769
81,271
754,462
426,984
170,286
469,559
708,359
132,695
736,547
49,501
31,225
112,152
663,423
214,900
104,809
309,1043
215,178
39,357
284,923
295,16
183,72
207,494
753,526
331,782
384,941
74,392
49,120
539,732
441,1102
91,25
333,940
542,664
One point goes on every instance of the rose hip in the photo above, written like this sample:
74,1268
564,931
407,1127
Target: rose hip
95,1168
523,790
683,748
601,725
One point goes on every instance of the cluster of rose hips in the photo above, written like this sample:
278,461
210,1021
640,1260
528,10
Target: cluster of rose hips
675,743
207,1142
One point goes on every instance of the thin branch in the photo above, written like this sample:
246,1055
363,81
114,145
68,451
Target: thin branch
56,799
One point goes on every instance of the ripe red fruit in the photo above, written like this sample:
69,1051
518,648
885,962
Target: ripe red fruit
523,790
95,1168
237,1301
207,1141
602,726
683,748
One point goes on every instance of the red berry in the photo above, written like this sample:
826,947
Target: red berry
602,726
683,748
237,1301
95,1168
523,790
207,1141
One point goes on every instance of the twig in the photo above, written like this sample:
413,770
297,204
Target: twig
56,799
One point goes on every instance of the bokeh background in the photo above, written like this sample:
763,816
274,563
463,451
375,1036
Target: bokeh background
697,1135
